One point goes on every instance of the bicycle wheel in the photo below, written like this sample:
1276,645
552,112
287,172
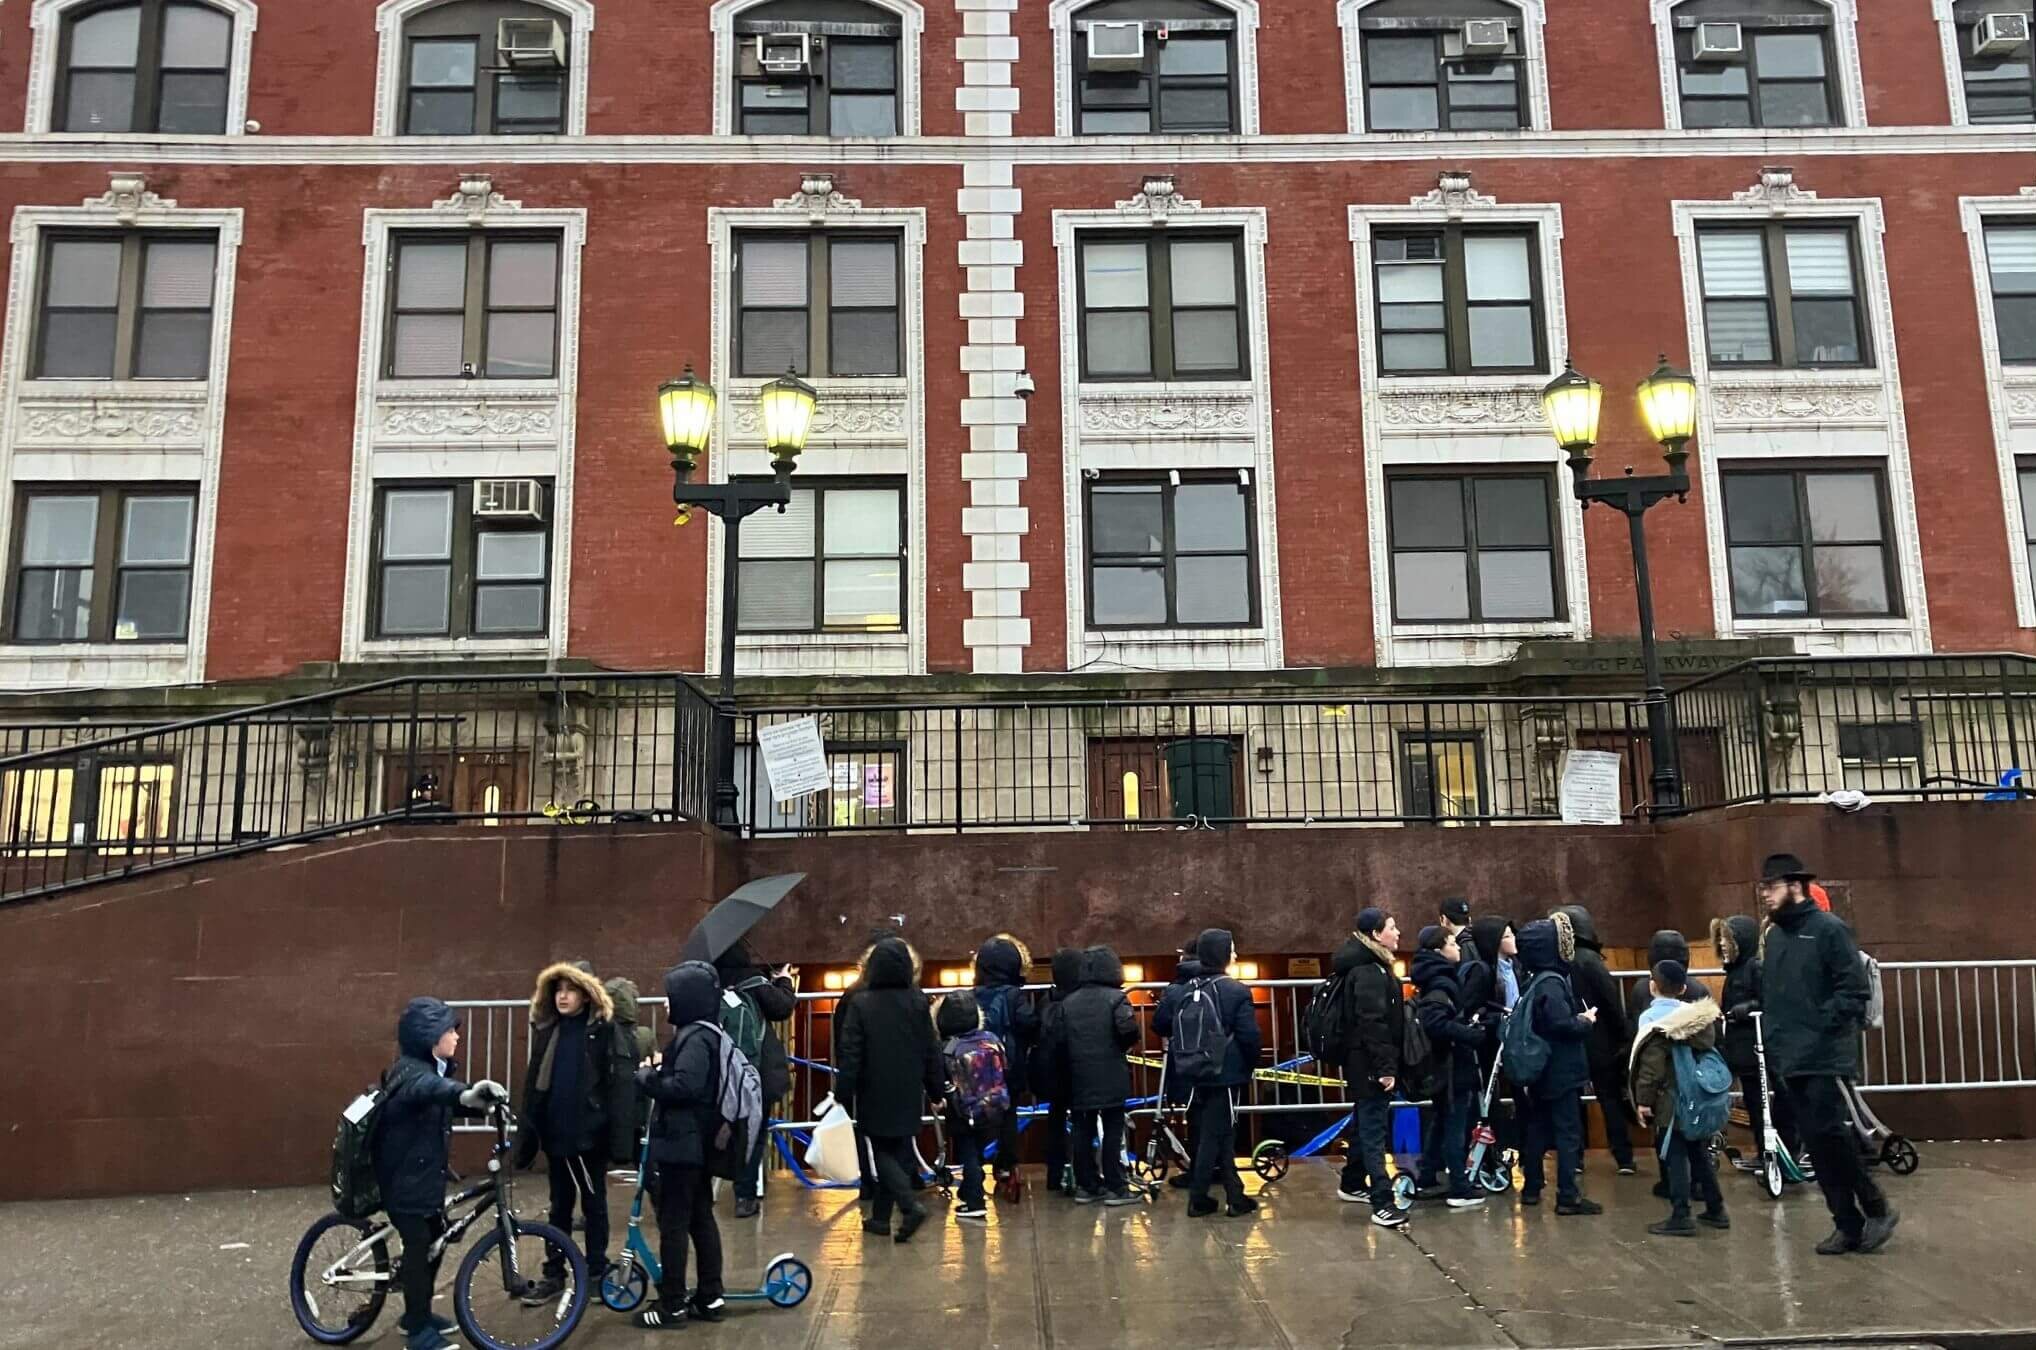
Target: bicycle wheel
626,1284
787,1281
338,1309
496,1316
1270,1159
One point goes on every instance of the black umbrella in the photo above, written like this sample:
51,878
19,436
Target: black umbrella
728,922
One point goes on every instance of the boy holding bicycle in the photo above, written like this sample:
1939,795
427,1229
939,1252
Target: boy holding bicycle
411,1152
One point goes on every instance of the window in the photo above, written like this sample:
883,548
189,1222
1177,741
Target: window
147,65
1782,295
458,82
125,804
1879,756
1442,776
443,572
1809,543
1417,76
484,303
1162,306
126,306
102,565
1183,83
1458,301
2011,272
1476,549
816,68
866,790
1174,552
831,562
2027,475
35,805
853,331
2000,86
1780,76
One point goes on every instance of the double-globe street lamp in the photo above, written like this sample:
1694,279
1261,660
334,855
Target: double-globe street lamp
686,412
1668,404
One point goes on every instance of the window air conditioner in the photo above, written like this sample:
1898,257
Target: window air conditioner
534,43
784,53
1717,41
1484,39
509,498
1116,46
2000,34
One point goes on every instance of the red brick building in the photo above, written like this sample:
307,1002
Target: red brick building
1284,280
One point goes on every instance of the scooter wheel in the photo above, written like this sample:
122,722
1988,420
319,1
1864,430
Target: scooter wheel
1403,1192
1771,1176
1900,1155
1270,1159
1497,1180
787,1281
625,1286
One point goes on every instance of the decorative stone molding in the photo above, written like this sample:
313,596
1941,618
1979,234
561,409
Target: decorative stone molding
475,199
70,423
1844,42
1158,200
2011,390
1453,195
128,196
2020,400
482,419
1168,415
45,21
1474,409
1060,18
1776,190
817,199
721,19
1533,20
1796,403
393,14
845,414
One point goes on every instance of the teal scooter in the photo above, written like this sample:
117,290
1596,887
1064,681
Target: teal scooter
786,1280
1773,1163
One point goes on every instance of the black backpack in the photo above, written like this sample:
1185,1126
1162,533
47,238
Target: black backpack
1421,1069
1328,1021
356,1193
1201,1039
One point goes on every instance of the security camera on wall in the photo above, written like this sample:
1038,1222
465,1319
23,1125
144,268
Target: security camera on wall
1023,386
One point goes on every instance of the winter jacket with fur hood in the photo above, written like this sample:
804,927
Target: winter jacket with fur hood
1737,940
1651,1071
606,1119
1097,1027
1546,947
1594,984
886,1053
683,1087
1376,1020
1009,1013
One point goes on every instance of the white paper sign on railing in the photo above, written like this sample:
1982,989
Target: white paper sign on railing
1590,787
794,758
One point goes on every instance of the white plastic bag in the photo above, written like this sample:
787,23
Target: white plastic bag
831,1155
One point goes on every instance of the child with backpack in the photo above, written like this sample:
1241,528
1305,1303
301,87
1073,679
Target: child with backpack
1374,1034
1454,1035
980,1104
1545,1056
1012,1016
410,1145
1215,1049
887,1067
1095,1029
1680,1085
753,1000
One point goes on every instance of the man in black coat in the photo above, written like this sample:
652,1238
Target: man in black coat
1374,1029
1095,1028
1213,1105
1813,994
579,1100
683,1088
887,1068
741,973
1611,1035
1737,940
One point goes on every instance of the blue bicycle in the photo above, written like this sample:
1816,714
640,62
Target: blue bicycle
786,1282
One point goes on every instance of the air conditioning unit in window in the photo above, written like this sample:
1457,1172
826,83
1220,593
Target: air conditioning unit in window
509,498
784,53
1484,39
2000,34
1717,41
1116,46
533,43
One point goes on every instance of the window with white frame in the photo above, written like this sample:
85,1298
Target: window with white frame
443,569
2011,279
143,65
125,305
485,67
480,303
1146,67
1473,548
1458,300
1810,543
818,302
1757,63
101,564
1171,551
2025,472
1996,61
817,68
1442,65
1783,294
832,562
1162,305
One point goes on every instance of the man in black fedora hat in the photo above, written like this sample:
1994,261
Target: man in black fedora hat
1813,995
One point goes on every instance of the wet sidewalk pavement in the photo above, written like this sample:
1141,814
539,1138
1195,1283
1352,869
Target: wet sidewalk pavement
210,1270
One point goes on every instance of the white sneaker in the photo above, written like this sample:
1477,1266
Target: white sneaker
1354,1197
975,1212
1389,1217
1466,1201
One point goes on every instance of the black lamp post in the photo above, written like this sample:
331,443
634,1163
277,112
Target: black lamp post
1668,403
686,411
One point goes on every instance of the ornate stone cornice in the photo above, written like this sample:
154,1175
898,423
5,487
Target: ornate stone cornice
1159,199
1454,194
128,196
817,198
475,199
1776,189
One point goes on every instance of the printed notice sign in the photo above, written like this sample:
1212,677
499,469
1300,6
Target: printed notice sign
1590,787
794,759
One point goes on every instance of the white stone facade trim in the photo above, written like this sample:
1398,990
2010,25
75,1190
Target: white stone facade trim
101,431
389,20
1795,414
860,426
1464,423
454,429
721,25
1844,45
2011,392
1156,426
46,26
1061,17
1533,21
1954,60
